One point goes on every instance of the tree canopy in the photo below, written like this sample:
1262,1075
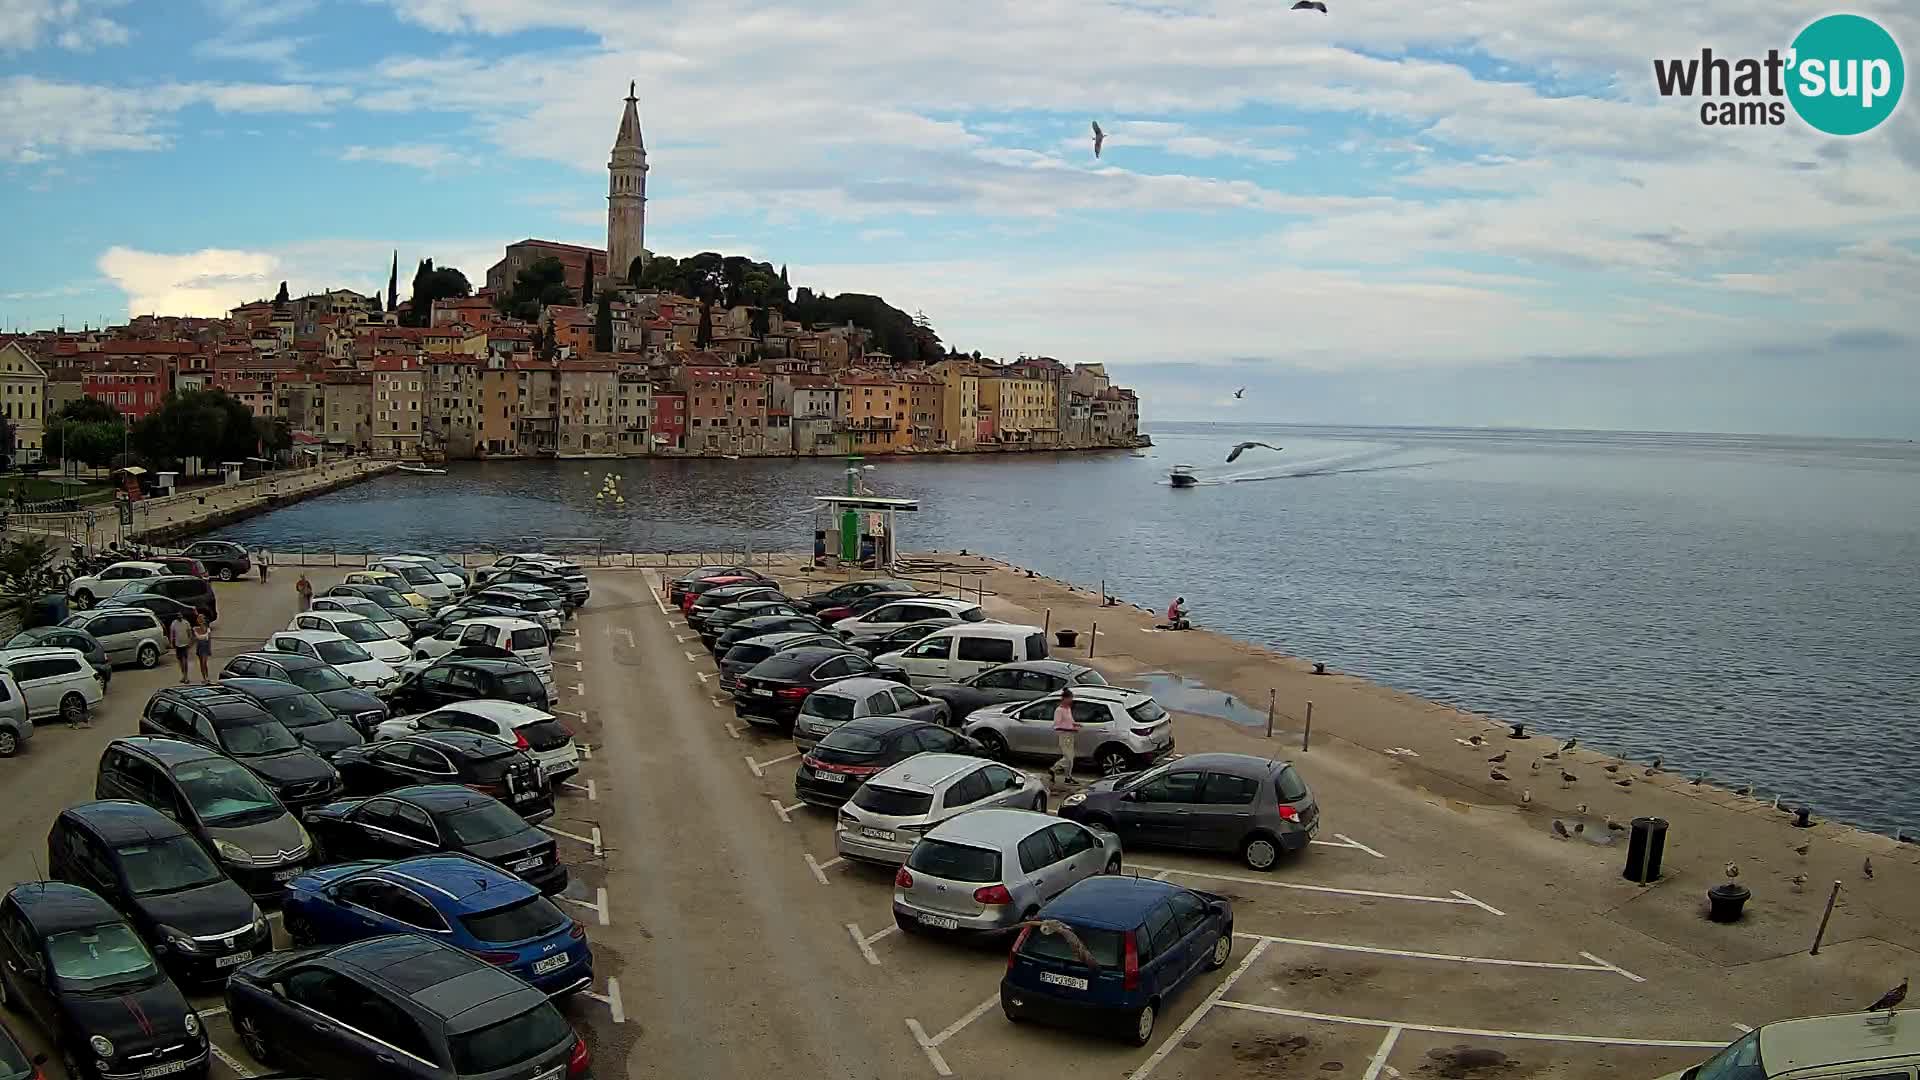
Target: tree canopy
430,284
207,424
91,410
93,443
536,288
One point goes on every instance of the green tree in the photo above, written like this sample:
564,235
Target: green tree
586,279
26,574
91,410
207,424
393,283
536,288
603,324
273,434
430,284
92,443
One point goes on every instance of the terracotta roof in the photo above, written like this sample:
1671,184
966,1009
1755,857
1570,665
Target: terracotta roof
396,363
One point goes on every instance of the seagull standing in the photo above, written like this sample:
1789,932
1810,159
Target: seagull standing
1099,138
1891,999
1567,778
1499,758
1496,774
1801,849
1733,871
1867,868
1560,829
1246,446
1526,797
1799,882
1570,743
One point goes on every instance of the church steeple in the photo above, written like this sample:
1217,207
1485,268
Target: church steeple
627,192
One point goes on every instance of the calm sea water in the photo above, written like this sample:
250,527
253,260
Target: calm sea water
1748,607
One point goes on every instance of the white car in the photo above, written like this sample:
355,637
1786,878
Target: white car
84,591
542,736
525,639
455,583
890,617
354,605
358,629
420,578
56,683
349,659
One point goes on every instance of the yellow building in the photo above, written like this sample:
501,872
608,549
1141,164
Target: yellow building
874,413
499,410
399,391
23,399
957,425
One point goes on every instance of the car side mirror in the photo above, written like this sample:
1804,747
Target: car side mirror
279,990
1128,796
1012,783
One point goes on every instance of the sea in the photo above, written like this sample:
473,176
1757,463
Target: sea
1744,607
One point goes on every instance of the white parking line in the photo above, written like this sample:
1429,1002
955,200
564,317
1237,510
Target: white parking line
691,659
214,1010
230,1061
1352,843
566,645
591,841
658,601
702,676
574,664
580,716
592,795
1597,965
586,751
864,942
624,632
1379,1061
932,1045
1457,897
819,868
683,639
578,689
1200,1011
1437,1029
758,767
611,999
598,907
785,812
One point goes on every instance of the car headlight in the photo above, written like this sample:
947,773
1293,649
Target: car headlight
1074,799
101,1045
193,1024
178,940
306,841
260,921
233,853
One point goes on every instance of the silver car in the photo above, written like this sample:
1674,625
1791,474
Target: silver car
891,811
1121,730
991,869
128,635
852,699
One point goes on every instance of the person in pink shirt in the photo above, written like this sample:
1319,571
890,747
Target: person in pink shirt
1064,727
1177,614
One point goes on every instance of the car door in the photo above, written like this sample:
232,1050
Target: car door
478,634
975,653
112,632
879,703
358,911
1031,729
1163,811
1004,786
928,661
969,792
998,687
1197,932
469,684
1080,854
38,686
1225,811
389,828
313,1031
908,703
401,763
1165,965
832,670
937,740
311,622
1040,868
430,690
25,968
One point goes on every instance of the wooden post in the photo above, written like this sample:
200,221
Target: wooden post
1047,625
1822,932
1306,735
1270,694
1091,638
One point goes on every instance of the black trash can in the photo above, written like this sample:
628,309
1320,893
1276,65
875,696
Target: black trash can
1066,638
1725,901
1646,846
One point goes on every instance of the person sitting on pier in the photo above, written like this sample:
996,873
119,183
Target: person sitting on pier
1177,614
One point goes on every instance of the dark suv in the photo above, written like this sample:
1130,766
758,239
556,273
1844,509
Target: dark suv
223,560
234,724
337,692
196,593
770,693
425,818
465,678
1205,802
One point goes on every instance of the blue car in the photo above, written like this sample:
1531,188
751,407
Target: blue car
462,902
1128,946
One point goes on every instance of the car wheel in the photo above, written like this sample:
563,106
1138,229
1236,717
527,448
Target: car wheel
9,743
1259,852
254,1039
1222,948
225,573
83,599
73,709
1142,1032
1113,865
148,656
1113,760
992,744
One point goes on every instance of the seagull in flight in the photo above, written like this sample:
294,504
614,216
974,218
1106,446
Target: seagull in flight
1310,5
1240,393
1099,138
1246,446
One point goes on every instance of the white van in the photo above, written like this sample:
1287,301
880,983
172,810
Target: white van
55,683
959,652
525,639
1850,1046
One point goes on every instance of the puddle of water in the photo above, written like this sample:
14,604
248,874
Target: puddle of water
1181,694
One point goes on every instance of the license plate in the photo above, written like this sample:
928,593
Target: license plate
235,960
288,874
828,777
170,1069
877,834
759,691
525,864
940,922
1071,982
552,1074
551,963
525,796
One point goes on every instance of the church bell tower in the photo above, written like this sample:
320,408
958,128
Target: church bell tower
626,194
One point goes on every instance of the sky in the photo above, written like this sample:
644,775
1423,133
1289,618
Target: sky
1461,212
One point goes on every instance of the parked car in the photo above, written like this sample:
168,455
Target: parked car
196,593
526,602
234,724
401,1006
452,679
72,963
762,625
723,619
317,727
864,604
15,1062
1252,806
770,692
257,842
680,586
743,655
715,599
846,592
395,606
886,641
387,579
54,683
85,590
471,905
450,572
461,611
990,870
481,762
1877,1045
824,710
67,637
963,651
16,729
164,608
317,677
343,655
535,731
889,813
523,639
200,922
380,617
573,587
419,579
699,587
1011,684
898,613
426,818
181,564
859,749
1135,944
1121,730
223,560
360,630
127,635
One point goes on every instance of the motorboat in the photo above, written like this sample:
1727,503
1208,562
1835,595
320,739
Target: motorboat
422,470
1181,476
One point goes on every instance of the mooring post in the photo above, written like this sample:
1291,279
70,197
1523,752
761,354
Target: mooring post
1822,932
1046,626
1306,734
1270,695
1091,638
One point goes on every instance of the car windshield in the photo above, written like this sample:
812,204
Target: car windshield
744,653
522,684
893,802
1108,947
365,608
483,823
167,865
830,707
224,791
417,575
298,710
784,666
955,862
1148,712
511,1041
341,652
852,742
250,738
1740,1061
530,638
359,630
522,920
99,957
318,680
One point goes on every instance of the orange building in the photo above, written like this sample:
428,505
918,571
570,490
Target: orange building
873,412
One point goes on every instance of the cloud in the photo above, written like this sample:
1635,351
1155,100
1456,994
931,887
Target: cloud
208,282
40,118
74,25
428,157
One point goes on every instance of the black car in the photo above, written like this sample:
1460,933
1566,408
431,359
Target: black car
722,619
337,692
234,724
465,678
223,560
15,1064
401,1007
1022,680
66,637
317,727
194,592
523,601
847,592
833,770
762,625
896,640
680,586
429,818
395,605
481,762
71,962
862,605
154,872
739,658
165,608
575,589
770,693
714,599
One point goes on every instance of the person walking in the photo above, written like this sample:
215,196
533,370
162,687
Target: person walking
202,643
181,640
305,589
262,560
1064,727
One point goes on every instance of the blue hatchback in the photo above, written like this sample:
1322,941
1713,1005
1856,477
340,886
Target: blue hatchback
1122,948
453,899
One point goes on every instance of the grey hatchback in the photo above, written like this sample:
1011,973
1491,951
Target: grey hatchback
1022,680
1207,802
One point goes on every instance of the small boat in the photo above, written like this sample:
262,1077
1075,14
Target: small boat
1137,453
731,457
422,470
1181,476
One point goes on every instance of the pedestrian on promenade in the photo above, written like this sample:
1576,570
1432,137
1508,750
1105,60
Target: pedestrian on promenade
261,560
178,637
1064,727
305,589
202,643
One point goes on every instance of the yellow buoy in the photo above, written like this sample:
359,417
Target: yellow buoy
621,499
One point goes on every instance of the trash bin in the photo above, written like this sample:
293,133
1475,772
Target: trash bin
1066,638
1646,846
1725,901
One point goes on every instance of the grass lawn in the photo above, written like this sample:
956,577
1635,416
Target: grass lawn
36,488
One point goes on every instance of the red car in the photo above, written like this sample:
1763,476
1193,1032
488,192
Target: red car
697,589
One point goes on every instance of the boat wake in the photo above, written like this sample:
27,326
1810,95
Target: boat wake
1365,461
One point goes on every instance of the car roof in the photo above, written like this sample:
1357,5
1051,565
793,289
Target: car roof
925,772
168,752
288,660
880,725
172,577
990,629
930,624
507,622
1109,901
145,564
89,616
780,636
52,906
216,543
1241,764
329,616
1050,667
936,601
314,636
466,884
859,686
811,654
1118,695
261,688
466,742
511,713
499,664
437,796
440,979
38,652
120,821
220,702
991,826
1814,1041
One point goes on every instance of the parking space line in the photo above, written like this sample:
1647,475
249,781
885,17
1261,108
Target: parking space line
1379,1061
598,906
213,1010
702,676
864,942
624,632
715,701
1597,965
574,664
932,1045
229,1061
691,659
1742,1028
819,872
578,689
586,751
591,841
566,645
592,795
1352,843
1456,898
611,999
657,600
758,767
580,715
683,639
1438,1029
1206,1004
785,812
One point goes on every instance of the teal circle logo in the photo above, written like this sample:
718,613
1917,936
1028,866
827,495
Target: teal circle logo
1847,75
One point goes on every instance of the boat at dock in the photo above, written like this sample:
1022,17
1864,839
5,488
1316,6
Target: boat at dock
1181,476
421,469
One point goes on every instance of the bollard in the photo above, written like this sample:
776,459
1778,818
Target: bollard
1822,932
1646,846
1306,734
1269,714
1726,900
1092,637
1047,625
